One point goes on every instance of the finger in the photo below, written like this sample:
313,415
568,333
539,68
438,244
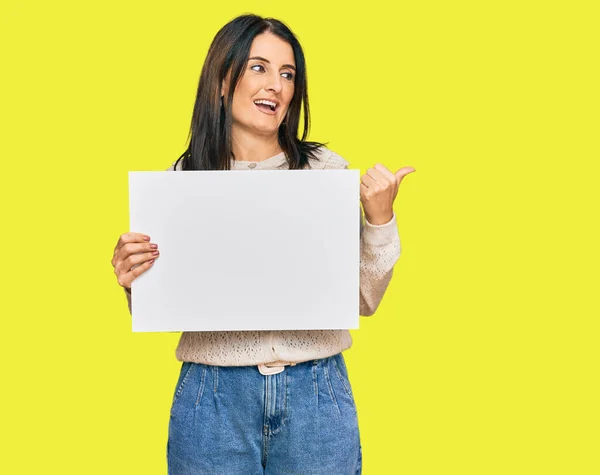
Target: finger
368,181
128,264
131,248
390,177
402,172
131,237
135,248
367,194
377,175
363,190
386,172
127,278
384,177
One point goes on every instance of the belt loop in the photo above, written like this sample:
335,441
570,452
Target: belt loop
215,371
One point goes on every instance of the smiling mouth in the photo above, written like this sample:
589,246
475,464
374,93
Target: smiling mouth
268,107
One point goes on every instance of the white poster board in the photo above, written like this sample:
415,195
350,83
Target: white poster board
247,250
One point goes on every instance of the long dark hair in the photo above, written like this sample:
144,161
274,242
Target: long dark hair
210,132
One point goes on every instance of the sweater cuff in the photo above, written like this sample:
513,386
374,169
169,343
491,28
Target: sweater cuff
381,234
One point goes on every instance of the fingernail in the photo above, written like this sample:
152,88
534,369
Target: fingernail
151,262
146,238
155,253
153,246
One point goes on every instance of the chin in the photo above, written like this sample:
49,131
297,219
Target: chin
266,130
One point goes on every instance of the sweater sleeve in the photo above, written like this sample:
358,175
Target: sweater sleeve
379,251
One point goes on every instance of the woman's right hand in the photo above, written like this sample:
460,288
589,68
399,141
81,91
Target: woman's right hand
133,256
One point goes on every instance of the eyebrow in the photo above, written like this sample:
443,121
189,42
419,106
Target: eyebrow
260,58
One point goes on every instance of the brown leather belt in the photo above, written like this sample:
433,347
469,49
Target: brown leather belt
273,368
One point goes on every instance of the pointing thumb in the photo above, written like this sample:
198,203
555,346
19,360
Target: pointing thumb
402,172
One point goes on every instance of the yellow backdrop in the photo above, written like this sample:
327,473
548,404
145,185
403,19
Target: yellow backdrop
483,357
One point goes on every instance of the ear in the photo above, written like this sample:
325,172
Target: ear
225,85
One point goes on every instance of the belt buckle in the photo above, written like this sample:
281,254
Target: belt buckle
268,370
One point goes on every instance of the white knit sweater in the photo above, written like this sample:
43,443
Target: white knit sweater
379,251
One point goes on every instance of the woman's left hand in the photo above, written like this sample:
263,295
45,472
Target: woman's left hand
378,190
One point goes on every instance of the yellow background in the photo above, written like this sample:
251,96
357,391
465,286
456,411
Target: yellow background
483,357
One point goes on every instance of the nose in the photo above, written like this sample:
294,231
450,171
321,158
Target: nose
274,83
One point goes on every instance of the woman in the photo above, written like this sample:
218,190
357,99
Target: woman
276,402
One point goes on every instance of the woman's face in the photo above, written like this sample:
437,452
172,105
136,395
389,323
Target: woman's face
269,76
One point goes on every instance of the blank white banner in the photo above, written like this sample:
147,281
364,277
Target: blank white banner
247,250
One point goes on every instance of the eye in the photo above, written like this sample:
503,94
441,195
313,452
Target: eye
289,77
257,66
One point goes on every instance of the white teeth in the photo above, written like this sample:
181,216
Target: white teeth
268,103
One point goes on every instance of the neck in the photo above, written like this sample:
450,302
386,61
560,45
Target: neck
247,146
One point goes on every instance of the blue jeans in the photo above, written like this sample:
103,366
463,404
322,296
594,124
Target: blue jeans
232,420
